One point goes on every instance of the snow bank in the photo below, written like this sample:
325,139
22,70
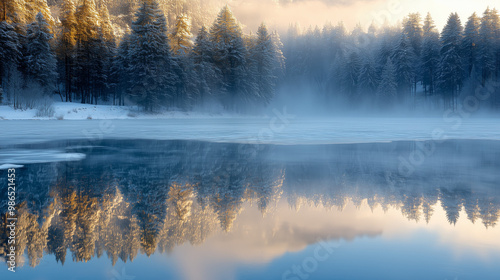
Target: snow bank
77,111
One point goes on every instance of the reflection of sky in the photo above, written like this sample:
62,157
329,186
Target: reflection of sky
372,245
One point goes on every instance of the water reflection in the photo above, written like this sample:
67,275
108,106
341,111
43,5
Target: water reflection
129,198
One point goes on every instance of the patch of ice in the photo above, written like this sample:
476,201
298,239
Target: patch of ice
37,156
10,166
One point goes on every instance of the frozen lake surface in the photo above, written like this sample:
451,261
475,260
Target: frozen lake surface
277,129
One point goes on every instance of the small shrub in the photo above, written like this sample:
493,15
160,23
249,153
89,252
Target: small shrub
60,118
131,115
45,109
89,117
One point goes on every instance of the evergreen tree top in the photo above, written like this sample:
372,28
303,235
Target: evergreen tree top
225,27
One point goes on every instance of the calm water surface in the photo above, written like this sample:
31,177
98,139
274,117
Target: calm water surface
194,210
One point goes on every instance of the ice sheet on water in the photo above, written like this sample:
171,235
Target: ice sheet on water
294,131
10,157
9,166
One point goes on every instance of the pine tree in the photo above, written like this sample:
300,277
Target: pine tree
33,7
120,75
41,61
263,58
86,63
206,72
368,76
487,41
279,57
404,62
349,76
180,38
151,66
387,89
469,51
430,55
496,24
1,94
450,68
9,51
412,28
107,45
12,11
230,58
181,45
66,47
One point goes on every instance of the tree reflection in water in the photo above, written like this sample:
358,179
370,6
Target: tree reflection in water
131,197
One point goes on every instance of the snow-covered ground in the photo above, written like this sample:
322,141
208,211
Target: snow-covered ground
78,111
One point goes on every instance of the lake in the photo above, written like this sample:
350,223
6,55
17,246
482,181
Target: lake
167,209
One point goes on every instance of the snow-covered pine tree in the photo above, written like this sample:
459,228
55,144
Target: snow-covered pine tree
263,58
387,89
173,8
9,51
412,27
180,38
120,76
469,51
12,11
279,58
387,39
350,68
151,67
206,73
230,58
496,24
86,64
40,60
368,76
108,49
314,68
33,7
450,67
487,34
181,45
430,55
404,61
1,94
66,47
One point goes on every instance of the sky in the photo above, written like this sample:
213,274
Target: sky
278,14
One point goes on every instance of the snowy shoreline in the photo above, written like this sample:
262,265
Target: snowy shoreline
78,111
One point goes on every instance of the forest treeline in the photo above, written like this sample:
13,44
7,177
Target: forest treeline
81,59
412,64
86,55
